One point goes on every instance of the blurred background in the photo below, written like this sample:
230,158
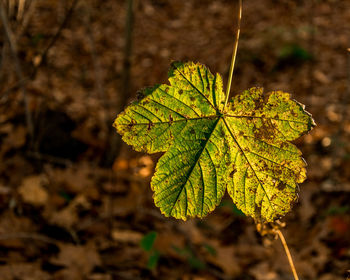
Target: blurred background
75,202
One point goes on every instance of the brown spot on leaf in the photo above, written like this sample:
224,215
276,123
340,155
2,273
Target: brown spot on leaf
150,125
222,133
257,211
265,167
192,98
180,91
233,172
140,95
266,131
277,171
281,186
261,102
284,145
132,123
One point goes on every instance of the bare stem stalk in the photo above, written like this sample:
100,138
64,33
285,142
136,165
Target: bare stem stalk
53,40
115,142
18,68
234,53
289,256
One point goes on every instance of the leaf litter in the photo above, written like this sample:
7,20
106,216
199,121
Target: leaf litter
30,242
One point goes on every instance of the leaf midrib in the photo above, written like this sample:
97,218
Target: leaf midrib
198,156
190,82
211,117
251,167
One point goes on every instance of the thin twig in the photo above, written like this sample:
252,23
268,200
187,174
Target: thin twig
11,7
18,68
53,40
115,143
13,87
28,235
234,53
29,11
20,11
2,59
43,56
347,98
289,256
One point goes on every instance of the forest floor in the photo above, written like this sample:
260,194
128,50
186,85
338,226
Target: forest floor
70,210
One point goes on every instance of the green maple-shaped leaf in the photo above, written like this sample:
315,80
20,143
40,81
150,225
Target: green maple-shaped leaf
244,147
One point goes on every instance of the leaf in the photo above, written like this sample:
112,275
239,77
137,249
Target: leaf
244,147
153,260
148,240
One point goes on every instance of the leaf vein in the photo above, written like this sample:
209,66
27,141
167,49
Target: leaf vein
259,117
197,160
216,177
277,163
262,141
201,93
148,111
203,185
234,138
180,101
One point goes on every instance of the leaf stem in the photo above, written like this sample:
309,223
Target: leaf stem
234,53
289,256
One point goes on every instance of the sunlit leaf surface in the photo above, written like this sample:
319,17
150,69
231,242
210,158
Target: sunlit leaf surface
244,147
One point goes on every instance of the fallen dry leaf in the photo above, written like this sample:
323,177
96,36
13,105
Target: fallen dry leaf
78,260
32,191
68,216
126,236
